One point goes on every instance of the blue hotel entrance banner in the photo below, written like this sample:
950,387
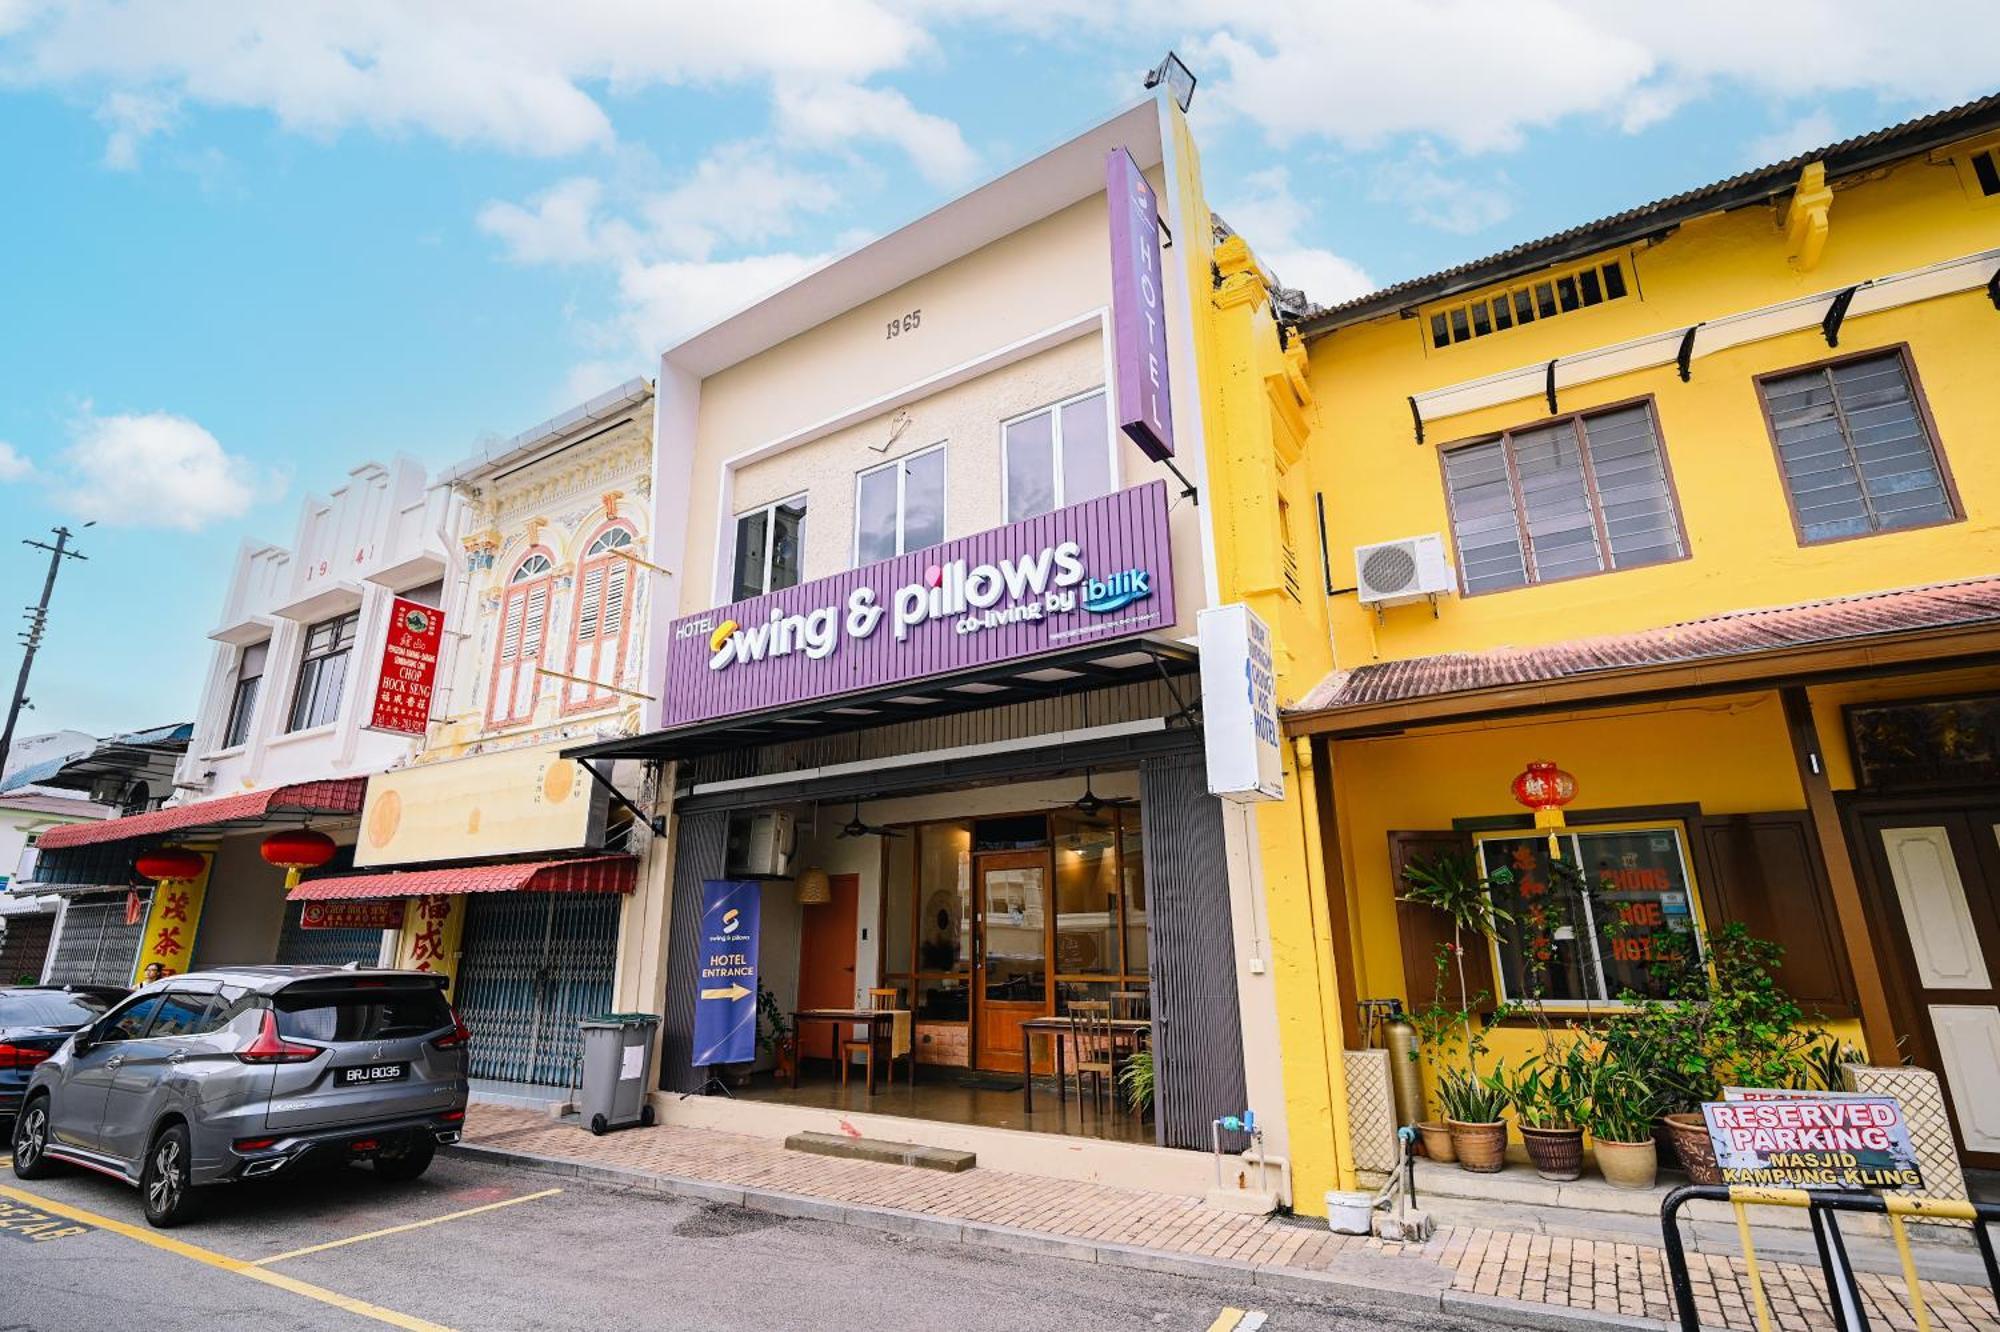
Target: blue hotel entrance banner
725,1011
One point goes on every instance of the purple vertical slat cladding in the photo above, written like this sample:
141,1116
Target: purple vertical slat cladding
1120,533
1138,309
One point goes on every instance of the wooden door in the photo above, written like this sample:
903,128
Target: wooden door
1938,874
1010,960
827,944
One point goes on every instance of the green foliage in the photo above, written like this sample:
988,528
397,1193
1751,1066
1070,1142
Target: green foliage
1451,884
1619,1101
1471,1097
1819,1064
1135,1079
772,1024
1552,1090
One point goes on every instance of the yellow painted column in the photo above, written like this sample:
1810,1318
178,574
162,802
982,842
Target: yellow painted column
432,929
171,922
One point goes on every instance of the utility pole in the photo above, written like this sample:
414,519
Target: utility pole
38,619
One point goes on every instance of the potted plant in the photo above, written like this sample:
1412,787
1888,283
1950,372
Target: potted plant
1473,1103
1135,1079
775,1036
1548,1093
1619,1114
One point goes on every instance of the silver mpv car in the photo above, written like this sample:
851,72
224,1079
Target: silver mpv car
243,1072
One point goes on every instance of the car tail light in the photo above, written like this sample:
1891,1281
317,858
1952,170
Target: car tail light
253,1144
452,1116
460,1033
271,1048
365,1145
22,1056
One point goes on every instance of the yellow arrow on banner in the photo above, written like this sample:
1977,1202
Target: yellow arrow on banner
731,992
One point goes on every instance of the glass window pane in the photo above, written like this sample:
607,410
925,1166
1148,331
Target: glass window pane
899,906
1132,869
751,530
1086,448
1086,895
1013,906
788,544
1853,450
875,515
1440,336
1546,949
1483,518
1031,481
1632,490
944,897
1614,282
1641,902
923,500
1561,534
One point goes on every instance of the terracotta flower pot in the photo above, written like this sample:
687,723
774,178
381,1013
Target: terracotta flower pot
1437,1142
1481,1148
1556,1152
1690,1134
1628,1165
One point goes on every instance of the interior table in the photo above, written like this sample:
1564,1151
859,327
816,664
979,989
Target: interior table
880,1023
1056,1028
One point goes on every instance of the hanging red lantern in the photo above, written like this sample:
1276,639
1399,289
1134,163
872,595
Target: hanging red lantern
1545,788
170,862
296,851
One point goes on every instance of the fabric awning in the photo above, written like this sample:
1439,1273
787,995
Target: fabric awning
585,874
338,796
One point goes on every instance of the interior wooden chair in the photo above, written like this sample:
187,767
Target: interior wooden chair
1132,1005
1096,1051
886,998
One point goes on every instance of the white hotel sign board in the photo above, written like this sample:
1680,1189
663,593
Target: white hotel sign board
1239,705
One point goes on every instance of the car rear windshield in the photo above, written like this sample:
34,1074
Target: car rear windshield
50,1008
360,1015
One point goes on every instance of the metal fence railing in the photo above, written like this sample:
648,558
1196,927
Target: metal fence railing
1843,1295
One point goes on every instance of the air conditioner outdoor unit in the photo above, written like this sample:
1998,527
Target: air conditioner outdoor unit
1390,573
761,845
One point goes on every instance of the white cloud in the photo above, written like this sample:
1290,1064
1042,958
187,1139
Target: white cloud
131,118
1442,195
664,301
741,194
1479,74
154,470
836,115
1270,217
521,75
14,464
1812,130
558,226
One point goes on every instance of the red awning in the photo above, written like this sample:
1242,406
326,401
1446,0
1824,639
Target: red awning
587,874
339,796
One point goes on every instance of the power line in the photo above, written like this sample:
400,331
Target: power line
38,622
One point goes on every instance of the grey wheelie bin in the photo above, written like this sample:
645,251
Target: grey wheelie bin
617,1070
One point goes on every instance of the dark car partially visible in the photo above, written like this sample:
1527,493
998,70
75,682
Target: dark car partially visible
34,1022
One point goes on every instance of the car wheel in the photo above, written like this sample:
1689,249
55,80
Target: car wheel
165,1185
408,1163
31,1141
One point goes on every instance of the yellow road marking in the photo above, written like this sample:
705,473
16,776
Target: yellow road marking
397,1230
1226,1320
223,1262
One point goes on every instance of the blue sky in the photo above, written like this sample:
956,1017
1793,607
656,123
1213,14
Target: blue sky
244,247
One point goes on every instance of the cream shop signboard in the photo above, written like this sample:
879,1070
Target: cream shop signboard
1089,573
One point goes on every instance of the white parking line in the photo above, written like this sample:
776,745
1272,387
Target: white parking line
397,1230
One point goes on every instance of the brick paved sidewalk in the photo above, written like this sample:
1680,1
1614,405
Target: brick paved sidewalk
1471,1270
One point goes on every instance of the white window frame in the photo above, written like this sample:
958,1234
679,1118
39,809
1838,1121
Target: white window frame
902,466
1054,412
770,512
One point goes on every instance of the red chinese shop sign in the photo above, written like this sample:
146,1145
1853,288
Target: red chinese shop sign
365,914
409,669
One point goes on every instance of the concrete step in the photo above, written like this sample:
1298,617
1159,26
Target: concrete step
882,1150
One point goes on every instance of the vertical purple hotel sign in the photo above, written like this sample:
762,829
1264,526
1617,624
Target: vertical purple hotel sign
1090,573
1138,309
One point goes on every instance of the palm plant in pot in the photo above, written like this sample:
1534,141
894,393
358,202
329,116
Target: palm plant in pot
1550,1092
1618,1111
1474,1103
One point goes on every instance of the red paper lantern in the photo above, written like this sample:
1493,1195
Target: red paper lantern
301,848
170,862
295,851
1544,786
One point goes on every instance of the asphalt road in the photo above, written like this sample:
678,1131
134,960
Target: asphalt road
546,1253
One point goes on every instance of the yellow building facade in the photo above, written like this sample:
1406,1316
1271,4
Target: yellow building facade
1701,502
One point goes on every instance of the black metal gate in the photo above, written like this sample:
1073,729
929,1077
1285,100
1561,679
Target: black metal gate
326,948
531,965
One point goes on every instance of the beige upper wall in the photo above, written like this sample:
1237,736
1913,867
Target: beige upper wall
1047,286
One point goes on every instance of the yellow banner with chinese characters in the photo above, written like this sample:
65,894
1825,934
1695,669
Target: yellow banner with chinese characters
431,929
171,921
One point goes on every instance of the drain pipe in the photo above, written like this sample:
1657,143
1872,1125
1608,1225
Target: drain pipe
1331,1018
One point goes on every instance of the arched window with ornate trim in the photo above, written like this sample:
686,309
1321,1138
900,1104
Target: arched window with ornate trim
598,633
524,621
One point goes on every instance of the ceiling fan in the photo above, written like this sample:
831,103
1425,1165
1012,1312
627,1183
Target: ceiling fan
854,827
1090,804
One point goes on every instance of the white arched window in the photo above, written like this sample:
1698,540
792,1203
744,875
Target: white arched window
604,581
524,618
